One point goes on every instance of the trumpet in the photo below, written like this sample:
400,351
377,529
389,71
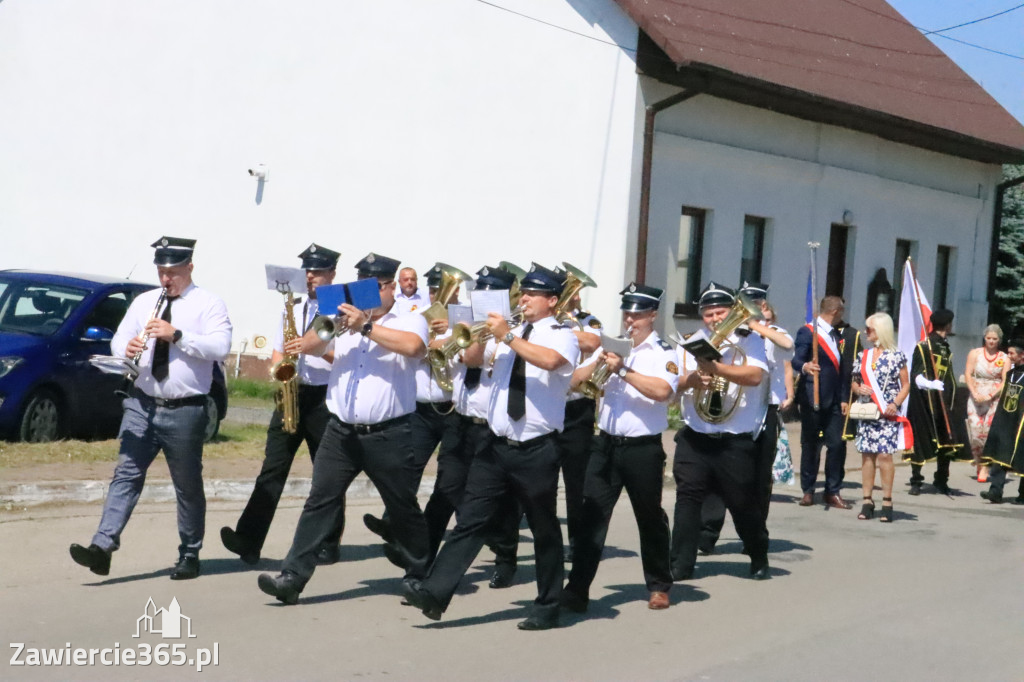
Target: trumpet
329,326
593,387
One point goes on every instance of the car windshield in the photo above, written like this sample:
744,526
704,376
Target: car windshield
35,308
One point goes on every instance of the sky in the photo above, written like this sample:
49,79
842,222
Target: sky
1001,76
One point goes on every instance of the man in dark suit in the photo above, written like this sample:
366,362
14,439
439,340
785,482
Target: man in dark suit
822,423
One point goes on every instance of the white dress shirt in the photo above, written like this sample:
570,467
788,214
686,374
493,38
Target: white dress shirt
624,410
473,402
408,304
545,391
313,370
749,414
588,321
370,384
205,339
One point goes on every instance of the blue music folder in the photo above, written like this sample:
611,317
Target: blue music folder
363,294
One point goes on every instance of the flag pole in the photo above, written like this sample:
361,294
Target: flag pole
814,319
931,359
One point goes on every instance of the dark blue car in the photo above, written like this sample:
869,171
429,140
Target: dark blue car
50,323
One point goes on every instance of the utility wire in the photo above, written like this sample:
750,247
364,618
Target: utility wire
974,21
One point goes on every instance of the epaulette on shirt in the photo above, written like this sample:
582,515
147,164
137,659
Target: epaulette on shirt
686,337
743,331
593,322
559,325
664,345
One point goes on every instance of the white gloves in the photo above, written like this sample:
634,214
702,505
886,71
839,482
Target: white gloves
928,384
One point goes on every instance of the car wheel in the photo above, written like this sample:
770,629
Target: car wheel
41,421
212,419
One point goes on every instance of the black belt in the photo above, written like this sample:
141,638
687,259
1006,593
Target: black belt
723,435
313,388
169,403
442,405
631,440
517,444
376,428
474,420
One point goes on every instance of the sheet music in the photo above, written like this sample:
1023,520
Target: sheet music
281,278
459,313
617,345
489,301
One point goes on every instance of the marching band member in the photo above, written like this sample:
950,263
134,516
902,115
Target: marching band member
1003,449
717,450
371,393
432,419
938,434
531,373
628,452
166,408
247,537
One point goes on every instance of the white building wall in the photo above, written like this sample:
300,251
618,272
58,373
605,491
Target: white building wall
445,130
733,160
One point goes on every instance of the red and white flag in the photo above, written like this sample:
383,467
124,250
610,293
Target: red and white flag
915,314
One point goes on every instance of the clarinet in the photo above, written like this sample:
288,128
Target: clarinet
133,366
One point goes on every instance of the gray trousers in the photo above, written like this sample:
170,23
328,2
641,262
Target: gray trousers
146,430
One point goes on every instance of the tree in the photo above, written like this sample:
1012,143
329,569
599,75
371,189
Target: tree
1007,304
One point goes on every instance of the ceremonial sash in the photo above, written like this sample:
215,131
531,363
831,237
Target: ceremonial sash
828,344
905,438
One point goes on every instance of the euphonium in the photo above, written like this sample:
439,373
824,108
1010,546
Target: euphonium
439,357
593,387
713,402
575,280
286,373
451,279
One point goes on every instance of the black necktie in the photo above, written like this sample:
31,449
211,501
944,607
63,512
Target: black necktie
472,377
517,383
162,350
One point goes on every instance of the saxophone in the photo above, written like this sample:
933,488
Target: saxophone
286,373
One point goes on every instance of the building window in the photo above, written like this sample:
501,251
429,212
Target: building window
904,250
753,249
943,268
835,275
690,254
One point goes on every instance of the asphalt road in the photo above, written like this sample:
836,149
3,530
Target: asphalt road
936,595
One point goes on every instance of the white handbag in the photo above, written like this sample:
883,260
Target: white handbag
865,411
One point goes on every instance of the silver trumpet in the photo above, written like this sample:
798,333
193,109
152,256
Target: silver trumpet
329,326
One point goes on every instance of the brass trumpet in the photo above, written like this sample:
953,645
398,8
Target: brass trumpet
713,403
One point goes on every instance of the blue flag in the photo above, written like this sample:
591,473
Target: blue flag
810,299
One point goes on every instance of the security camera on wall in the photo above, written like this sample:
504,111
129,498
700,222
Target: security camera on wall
260,172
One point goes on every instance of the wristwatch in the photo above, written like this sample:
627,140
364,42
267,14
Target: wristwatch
508,338
177,336
367,328
623,372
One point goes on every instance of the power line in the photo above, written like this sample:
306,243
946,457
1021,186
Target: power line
975,21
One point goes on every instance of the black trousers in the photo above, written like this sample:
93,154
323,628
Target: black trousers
941,472
574,442
431,424
713,510
638,465
468,440
530,471
279,453
997,480
725,466
816,428
386,457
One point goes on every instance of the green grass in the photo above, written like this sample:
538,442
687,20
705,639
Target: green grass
244,392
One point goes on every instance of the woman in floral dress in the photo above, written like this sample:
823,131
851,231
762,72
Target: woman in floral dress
986,371
880,375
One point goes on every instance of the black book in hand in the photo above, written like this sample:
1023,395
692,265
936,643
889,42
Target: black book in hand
702,350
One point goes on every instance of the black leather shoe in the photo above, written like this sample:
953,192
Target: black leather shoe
234,544
1017,500
187,568
539,622
378,527
328,554
504,574
915,489
285,587
573,601
992,496
395,555
760,571
418,596
92,557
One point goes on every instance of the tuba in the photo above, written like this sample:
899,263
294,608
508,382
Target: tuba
438,357
713,403
286,373
451,279
575,279
593,387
